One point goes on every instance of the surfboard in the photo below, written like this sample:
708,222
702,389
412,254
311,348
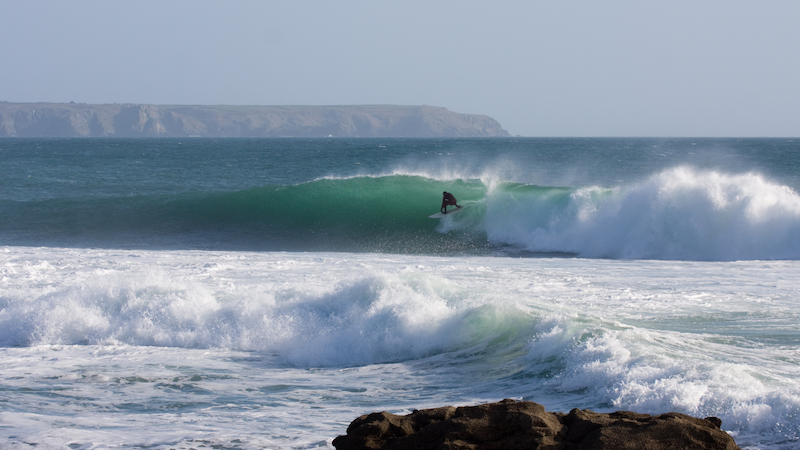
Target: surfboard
451,212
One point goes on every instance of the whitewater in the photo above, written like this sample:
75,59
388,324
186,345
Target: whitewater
263,293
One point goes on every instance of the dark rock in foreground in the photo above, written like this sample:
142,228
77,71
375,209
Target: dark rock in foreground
526,425
127,120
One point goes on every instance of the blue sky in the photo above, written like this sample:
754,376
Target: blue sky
569,68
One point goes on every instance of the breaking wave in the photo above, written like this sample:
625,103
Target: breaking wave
681,213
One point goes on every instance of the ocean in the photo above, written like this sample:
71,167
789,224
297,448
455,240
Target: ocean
262,293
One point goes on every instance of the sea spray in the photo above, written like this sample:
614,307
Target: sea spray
678,214
636,369
373,317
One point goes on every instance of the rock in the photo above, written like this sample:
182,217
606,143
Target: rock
511,424
75,119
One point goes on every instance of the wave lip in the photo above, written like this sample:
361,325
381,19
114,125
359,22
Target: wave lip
681,214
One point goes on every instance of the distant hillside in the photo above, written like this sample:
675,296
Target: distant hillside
129,120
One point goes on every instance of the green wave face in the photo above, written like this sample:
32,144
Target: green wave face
386,214
361,214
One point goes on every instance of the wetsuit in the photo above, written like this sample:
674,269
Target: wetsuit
448,199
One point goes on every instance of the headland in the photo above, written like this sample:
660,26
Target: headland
141,120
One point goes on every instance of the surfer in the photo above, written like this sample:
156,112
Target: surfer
448,199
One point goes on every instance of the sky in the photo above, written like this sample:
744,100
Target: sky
699,68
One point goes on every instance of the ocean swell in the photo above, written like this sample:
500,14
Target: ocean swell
679,214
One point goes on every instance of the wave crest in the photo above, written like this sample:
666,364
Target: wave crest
678,214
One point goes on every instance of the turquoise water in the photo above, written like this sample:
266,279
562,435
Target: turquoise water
263,293
616,198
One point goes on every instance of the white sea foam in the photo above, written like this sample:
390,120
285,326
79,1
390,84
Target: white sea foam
636,369
339,318
678,214
281,340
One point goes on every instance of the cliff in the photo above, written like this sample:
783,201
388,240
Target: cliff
526,425
129,120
